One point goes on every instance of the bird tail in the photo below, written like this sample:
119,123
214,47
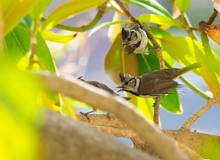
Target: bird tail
189,68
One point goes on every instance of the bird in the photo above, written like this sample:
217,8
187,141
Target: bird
101,86
134,40
155,83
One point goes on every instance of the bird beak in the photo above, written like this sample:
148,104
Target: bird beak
121,88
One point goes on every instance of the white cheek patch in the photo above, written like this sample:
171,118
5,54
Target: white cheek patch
137,84
134,88
144,42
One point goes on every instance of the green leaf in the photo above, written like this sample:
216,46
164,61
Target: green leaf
190,51
187,51
158,32
171,103
180,48
150,18
151,5
106,24
69,9
19,114
116,61
43,54
157,19
38,11
14,11
56,37
147,63
17,46
144,105
183,5
17,43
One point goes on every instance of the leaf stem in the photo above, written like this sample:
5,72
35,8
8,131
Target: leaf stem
213,16
189,122
99,15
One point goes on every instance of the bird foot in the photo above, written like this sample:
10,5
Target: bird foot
86,114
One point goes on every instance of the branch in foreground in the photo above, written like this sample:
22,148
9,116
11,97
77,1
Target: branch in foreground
102,120
125,111
183,138
65,139
189,122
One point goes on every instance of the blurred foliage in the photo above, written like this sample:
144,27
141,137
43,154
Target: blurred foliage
19,114
24,48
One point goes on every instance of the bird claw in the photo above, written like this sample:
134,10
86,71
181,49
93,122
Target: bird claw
108,116
86,114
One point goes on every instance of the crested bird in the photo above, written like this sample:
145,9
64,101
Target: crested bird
134,40
156,83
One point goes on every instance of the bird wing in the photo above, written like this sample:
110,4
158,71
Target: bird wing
164,73
156,85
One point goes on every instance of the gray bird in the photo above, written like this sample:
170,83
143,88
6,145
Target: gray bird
101,86
134,40
156,83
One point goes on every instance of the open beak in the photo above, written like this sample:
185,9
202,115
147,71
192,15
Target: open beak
121,88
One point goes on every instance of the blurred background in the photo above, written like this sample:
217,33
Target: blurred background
84,56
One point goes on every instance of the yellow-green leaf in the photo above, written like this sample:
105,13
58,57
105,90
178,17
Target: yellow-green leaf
17,46
183,5
19,138
171,103
145,105
151,5
14,11
187,51
114,30
37,12
116,61
68,10
56,37
158,19
150,18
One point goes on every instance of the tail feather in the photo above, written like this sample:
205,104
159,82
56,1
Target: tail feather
189,68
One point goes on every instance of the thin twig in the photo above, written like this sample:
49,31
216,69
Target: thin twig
156,110
213,16
99,15
33,50
156,47
189,122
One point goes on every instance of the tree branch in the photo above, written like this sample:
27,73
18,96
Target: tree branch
189,122
102,120
101,99
183,139
65,139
